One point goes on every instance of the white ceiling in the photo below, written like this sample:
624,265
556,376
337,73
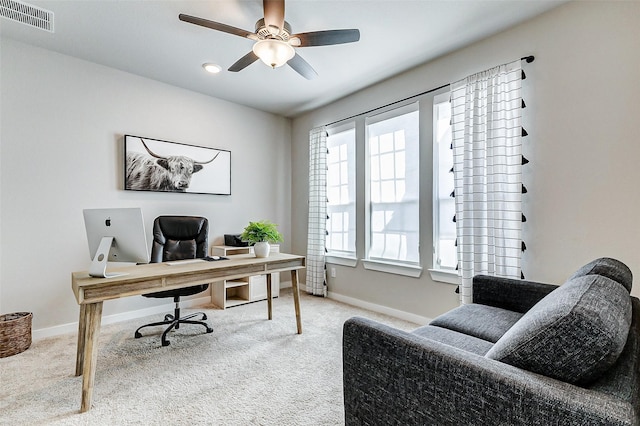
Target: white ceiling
145,37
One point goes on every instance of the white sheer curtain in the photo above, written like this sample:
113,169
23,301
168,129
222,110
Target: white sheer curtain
487,153
317,229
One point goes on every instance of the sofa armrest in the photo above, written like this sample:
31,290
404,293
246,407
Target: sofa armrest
508,293
396,378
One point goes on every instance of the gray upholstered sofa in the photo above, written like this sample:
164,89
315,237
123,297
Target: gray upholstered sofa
523,353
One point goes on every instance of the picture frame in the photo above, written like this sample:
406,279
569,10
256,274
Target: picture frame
162,166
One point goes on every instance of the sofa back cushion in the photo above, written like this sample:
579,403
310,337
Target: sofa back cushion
607,267
574,334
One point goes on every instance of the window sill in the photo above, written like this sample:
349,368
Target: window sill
407,270
341,260
444,276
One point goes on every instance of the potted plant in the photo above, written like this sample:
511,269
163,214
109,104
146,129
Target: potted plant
260,234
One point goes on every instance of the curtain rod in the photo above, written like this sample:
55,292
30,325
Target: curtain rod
529,59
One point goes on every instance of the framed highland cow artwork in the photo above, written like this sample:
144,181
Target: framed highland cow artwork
155,165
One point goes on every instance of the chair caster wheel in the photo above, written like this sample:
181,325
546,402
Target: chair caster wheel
137,335
204,317
166,343
209,330
168,317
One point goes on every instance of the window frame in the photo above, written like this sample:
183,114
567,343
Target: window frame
401,267
426,127
345,257
437,271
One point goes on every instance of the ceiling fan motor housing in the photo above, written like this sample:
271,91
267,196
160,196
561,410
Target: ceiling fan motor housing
264,32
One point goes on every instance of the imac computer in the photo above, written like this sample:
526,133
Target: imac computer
115,235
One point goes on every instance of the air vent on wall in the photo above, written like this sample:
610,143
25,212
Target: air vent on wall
27,14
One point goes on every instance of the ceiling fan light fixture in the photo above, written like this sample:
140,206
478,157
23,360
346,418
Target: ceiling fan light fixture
212,68
274,53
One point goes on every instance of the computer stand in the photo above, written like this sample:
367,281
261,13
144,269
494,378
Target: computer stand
98,267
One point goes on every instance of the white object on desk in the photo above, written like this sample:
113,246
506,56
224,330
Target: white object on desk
182,262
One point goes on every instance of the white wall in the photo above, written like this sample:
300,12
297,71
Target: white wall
582,96
63,122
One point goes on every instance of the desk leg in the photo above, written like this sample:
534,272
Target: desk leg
80,349
269,299
93,317
296,298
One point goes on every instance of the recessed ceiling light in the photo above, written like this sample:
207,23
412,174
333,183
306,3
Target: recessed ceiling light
212,68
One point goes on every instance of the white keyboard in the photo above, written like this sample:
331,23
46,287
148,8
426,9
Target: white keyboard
182,262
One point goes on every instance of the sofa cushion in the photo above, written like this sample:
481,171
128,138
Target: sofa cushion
455,339
622,380
484,322
573,334
607,267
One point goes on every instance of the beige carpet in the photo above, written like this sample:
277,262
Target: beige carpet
249,371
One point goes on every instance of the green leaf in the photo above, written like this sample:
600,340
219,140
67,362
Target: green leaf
263,230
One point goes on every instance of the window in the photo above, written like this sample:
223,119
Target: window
387,169
445,255
341,192
393,229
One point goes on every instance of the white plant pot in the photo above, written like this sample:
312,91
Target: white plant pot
262,249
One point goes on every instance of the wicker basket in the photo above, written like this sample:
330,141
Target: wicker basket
15,333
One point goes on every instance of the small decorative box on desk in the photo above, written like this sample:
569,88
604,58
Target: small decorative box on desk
226,294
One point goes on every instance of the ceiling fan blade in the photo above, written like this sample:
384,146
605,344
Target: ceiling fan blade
243,62
273,13
215,26
302,67
325,38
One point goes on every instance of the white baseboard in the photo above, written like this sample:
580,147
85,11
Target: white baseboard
190,303
396,313
124,316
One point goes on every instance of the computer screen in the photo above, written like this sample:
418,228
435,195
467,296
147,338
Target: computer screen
115,235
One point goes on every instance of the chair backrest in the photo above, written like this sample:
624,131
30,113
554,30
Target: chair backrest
179,237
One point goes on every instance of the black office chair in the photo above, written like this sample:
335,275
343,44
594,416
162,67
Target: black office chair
178,238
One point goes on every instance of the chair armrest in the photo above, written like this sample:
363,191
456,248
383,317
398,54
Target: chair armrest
396,378
508,293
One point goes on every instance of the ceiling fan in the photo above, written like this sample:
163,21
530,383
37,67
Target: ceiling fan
274,43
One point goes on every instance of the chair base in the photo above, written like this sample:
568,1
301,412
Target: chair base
174,321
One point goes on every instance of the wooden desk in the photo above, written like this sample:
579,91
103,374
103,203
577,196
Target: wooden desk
142,279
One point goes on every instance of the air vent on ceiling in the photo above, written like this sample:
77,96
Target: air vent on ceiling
27,14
